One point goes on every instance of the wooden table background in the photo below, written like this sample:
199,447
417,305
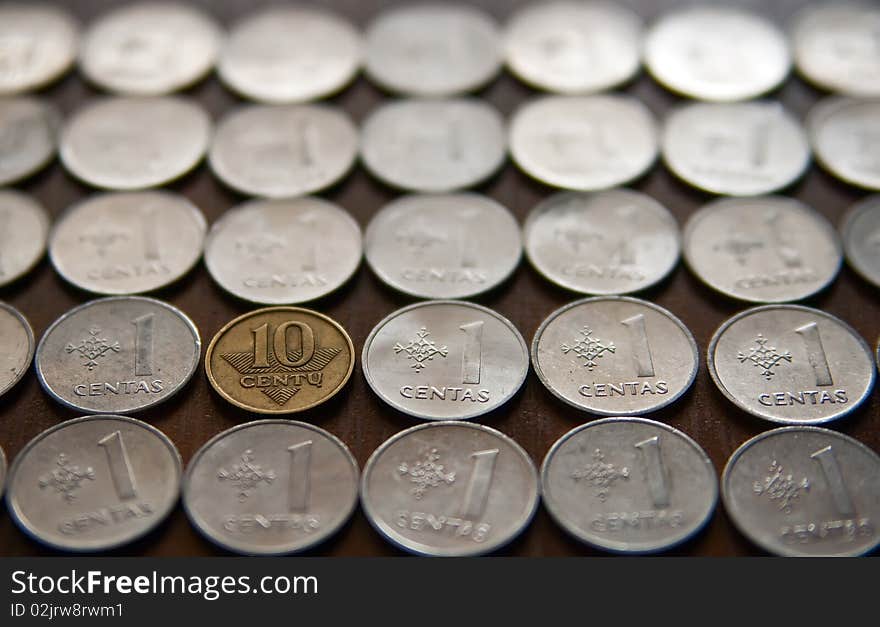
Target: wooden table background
534,418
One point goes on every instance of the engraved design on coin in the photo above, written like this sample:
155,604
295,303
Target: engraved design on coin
764,356
588,348
66,478
16,347
845,134
781,487
600,474
246,475
426,473
24,229
93,347
421,350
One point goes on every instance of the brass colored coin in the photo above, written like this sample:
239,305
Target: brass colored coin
280,360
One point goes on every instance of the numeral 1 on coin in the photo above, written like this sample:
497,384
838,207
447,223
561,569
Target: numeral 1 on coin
300,476
478,486
472,356
641,350
815,353
143,345
279,344
655,472
120,466
834,478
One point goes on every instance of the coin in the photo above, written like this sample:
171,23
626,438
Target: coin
118,355
24,228
861,238
283,251
2,471
717,53
271,487
283,150
431,145
133,143
127,242
791,364
574,47
150,48
94,483
805,492
28,137
38,44
629,485
739,149
290,54
443,245
280,360
449,489
433,49
615,356
763,250
16,347
842,132
584,143
445,360
611,242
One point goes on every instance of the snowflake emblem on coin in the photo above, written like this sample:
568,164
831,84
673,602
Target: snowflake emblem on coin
93,348
260,246
102,240
588,348
781,487
421,350
66,479
600,474
764,357
246,475
426,473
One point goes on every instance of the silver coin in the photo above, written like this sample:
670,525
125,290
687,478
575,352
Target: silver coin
444,245
584,143
717,53
283,150
38,44
629,485
836,47
271,487
127,242
612,242
861,238
281,252
574,47
28,137
805,492
16,347
118,355
433,49
615,356
24,229
430,145
766,249
845,138
2,471
445,360
94,483
449,489
150,48
791,364
134,143
289,54
738,149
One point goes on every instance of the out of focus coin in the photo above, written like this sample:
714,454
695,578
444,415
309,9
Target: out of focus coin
271,487
24,229
629,485
284,150
430,145
16,347
118,355
150,48
127,242
791,364
613,242
280,360
717,53
584,143
28,137
433,49
279,252
845,139
574,47
805,492
290,54
449,489
94,483
443,245
2,471
38,44
445,360
133,143
861,238
615,355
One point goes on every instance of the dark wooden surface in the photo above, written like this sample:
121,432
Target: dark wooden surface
534,418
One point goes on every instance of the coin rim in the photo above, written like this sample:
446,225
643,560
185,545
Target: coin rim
855,211
817,115
3,472
53,122
43,216
29,331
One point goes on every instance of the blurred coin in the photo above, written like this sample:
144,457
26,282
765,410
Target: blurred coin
613,242
433,49
766,249
444,245
94,483
845,139
24,228
2,471
289,54
791,364
861,238
805,492
16,347
449,489
118,355
584,143
271,487
28,137
574,47
133,143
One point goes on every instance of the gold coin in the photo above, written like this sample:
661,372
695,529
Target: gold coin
280,360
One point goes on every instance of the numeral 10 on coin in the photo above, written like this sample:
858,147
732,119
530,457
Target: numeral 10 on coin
280,343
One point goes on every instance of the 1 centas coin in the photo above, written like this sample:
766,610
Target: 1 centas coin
16,346
28,137
841,131
24,229
861,238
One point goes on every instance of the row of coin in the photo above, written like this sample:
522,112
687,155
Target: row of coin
295,54
272,487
